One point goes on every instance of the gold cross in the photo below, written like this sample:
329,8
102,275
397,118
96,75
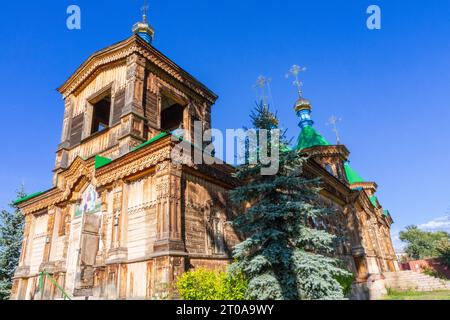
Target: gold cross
295,71
144,11
334,121
262,82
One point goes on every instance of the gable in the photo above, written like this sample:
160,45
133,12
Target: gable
118,53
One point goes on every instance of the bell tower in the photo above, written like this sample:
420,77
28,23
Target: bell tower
125,95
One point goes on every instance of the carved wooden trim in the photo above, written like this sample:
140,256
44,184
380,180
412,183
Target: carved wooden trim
121,51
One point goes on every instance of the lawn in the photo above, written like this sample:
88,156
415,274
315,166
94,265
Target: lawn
414,295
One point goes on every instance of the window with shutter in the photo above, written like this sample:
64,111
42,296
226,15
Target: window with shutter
119,103
151,109
76,129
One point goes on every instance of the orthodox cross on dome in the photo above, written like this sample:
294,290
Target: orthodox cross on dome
262,83
143,29
333,121
295,71
144,11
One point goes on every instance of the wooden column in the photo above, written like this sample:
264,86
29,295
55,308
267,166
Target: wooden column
65,135
152,105
117,217
26,240
123,220
62,154
101,255
70,209
133,117
118,247
30,236
49,237
168,179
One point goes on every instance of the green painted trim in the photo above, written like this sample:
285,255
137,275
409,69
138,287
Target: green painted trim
31,196
101,162
352,175
53,281
159,136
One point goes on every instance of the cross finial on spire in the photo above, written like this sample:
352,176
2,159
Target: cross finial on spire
144,11
143,29
295,71
262,82
334,121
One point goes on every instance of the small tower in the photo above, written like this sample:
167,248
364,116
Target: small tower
308,137
331,157
143,29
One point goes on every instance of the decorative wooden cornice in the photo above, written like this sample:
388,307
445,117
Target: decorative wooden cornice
340,151
332,184
40,202
121,51
365,185
134,162
81,172
220,174
365,203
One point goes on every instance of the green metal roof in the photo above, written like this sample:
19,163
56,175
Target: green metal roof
387,213
352,175
98,163
31,196
101,161
309,137
374,200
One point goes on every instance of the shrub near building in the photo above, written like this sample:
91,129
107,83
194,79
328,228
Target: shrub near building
203,284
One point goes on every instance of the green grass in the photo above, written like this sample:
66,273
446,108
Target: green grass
415,295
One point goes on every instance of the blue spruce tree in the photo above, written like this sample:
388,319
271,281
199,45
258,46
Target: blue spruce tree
283,255
11,228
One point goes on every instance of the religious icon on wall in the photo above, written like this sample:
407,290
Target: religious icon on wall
90,202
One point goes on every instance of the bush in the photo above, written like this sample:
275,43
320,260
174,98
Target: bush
433,273
346,283
444,252
203,284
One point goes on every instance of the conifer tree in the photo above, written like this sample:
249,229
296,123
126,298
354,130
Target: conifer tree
11,229
283,256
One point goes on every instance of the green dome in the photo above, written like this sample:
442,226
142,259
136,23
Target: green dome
309,137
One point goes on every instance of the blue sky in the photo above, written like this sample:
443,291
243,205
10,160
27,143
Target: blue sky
390,87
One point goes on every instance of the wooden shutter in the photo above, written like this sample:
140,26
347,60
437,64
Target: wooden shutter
151,109
119,103
76,129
